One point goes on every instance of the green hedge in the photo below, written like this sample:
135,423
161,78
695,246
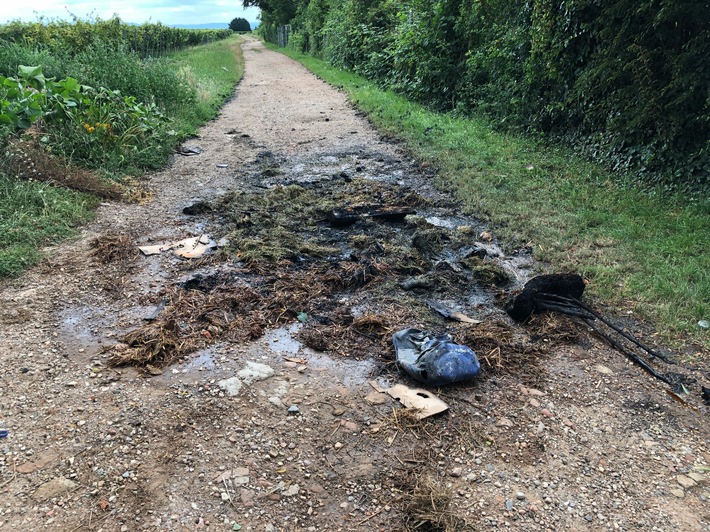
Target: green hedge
147,40
625,81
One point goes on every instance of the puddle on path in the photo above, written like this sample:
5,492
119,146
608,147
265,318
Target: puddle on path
80,331
202,361
84,331
350,373
321,370
281,341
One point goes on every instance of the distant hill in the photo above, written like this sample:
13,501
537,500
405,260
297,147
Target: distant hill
205,26
209,26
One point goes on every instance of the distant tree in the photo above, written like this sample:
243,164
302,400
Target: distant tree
240,24
278,11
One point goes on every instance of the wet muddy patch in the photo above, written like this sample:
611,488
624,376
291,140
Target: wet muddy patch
346,258
276,347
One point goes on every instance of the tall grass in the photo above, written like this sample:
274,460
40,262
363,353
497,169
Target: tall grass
642,251
33,215
212,71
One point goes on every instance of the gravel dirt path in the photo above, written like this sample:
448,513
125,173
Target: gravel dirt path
269,434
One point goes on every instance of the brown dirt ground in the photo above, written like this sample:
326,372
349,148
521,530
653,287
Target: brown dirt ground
559,433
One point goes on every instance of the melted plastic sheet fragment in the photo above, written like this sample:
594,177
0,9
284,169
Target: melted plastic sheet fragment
422,403
189,248
434,360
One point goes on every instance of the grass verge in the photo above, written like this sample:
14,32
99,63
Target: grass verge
212,70
641,251
34,214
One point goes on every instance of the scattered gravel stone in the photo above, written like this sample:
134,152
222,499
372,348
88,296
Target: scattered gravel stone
505,423
240,475
254,372
686,482
603,369
246,497
276,401
54,488
231,385
292,490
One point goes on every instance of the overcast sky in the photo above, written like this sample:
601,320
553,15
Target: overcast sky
165,11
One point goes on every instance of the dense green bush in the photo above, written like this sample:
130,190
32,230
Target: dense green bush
358,35
104,65
626,81
116,125
240,24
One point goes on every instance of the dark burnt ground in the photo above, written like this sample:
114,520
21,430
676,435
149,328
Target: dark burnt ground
353,283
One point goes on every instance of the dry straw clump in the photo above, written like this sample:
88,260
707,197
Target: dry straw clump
26,159
427,507
234,309
112,248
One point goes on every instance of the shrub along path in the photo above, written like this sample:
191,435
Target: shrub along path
227,419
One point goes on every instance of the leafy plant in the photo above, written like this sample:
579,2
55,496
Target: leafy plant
21,99
96,127
105,129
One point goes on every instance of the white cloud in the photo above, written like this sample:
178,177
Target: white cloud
167,12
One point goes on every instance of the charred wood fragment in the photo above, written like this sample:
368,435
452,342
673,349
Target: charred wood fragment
532,298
